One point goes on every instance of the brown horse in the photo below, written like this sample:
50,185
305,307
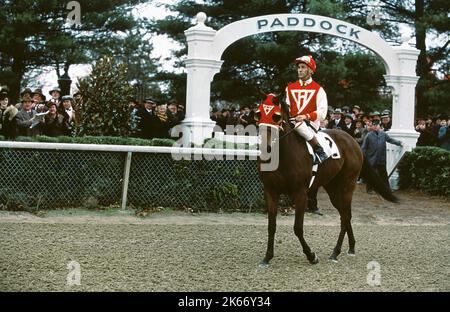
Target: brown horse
294,172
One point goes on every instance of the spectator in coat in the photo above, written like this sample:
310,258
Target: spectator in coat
374,149
55,93
146,119
8,112
360,131
349,125
386,122
161,125
26,124
356,111
245,116
55,124
25,93
426,138
172,113
337,120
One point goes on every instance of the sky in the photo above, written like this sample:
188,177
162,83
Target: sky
162,46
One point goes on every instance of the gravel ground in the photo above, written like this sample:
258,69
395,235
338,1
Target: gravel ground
175,251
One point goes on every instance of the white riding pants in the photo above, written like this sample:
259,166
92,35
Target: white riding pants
306,132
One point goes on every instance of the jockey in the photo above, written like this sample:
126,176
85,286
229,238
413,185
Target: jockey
307,102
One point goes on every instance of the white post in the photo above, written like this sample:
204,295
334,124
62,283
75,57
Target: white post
403,106
126,180
201,68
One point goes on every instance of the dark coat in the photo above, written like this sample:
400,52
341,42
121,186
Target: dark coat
350,130
360,134
9,122
332,124
146,123
160,128
24,123
55,126
426,138
374,147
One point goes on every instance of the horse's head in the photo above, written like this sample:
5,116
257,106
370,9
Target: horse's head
271,118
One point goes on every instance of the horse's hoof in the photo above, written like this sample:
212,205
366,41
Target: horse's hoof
315,260
351,254
263,264
333,258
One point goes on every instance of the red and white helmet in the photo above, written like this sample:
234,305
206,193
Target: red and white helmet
308,60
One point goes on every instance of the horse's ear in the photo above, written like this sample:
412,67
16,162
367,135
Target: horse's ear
276,100
262,92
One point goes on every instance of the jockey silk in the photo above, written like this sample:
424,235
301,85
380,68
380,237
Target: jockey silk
307,98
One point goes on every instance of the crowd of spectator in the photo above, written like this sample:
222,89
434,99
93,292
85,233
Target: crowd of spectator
434,131
55,115
36,115
155,119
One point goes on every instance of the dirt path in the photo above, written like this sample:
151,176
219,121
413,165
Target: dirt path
177,251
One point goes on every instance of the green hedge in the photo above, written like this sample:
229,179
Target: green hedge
426,169
96,140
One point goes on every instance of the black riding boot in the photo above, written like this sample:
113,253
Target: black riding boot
318,150
321,156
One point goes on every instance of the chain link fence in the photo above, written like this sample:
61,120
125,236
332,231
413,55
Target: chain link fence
33,179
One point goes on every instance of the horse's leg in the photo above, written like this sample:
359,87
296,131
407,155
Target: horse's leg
341,198
272,208
300,207
351,238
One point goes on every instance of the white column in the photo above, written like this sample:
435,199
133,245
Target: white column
403,105
201,68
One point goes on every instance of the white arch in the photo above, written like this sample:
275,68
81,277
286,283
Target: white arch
305,23
206,46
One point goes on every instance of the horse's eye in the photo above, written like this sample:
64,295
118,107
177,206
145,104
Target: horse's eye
257,115
276,117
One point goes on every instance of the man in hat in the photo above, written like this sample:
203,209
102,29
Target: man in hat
25,93
38,96
337,121
39,101
356,111
375,116
374,149
349,125
386,123
308,104
25,118
56,97
69,113
146,119
172,113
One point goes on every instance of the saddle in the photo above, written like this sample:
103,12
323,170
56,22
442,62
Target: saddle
329,146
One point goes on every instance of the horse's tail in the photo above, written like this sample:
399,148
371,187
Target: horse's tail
372,178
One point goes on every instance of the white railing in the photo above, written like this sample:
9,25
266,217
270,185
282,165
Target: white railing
394,154
190,153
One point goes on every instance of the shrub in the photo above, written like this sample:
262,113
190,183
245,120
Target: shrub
427,169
